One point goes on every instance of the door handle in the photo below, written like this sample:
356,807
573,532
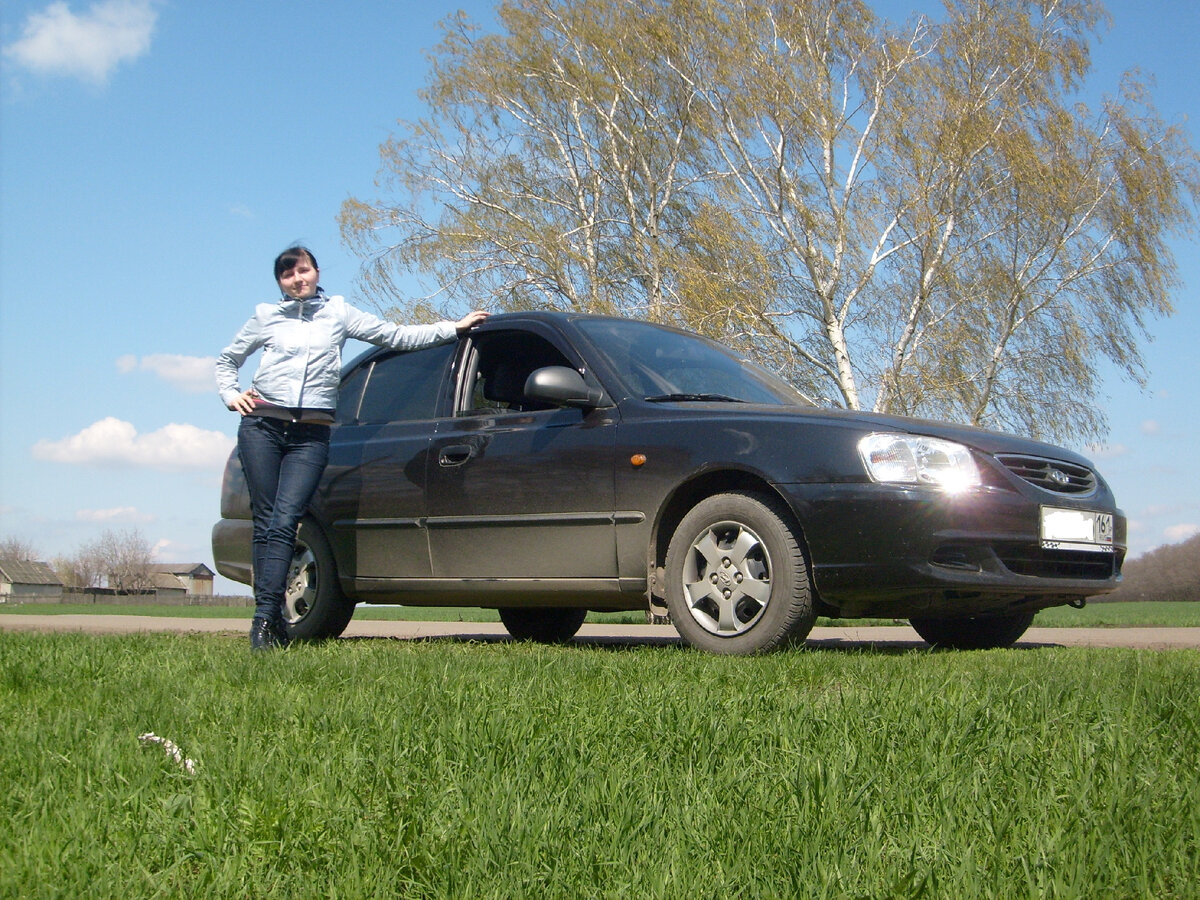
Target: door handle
455,454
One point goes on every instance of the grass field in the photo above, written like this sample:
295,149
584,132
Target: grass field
382,768
1169,615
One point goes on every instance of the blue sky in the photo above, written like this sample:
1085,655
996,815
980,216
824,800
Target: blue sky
155,155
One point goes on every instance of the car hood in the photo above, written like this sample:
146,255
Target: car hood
984,439
981,439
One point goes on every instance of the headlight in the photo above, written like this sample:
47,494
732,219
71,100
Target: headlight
910,459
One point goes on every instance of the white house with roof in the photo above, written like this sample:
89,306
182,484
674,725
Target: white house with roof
20,578
195,579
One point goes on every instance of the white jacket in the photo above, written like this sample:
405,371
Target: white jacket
302,343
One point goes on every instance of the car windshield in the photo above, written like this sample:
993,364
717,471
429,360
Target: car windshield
663,365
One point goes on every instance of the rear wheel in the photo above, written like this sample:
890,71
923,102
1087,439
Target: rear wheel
973,632
314,606
736,579
546,625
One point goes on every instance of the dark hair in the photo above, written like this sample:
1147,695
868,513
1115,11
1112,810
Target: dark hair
292,255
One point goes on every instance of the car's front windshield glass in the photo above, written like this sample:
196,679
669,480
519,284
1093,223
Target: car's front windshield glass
661,364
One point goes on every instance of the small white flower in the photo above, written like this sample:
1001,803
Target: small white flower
171,749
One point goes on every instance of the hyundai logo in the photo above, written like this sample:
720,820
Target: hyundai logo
1059,477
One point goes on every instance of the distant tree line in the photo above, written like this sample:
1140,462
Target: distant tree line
119,560
1171,572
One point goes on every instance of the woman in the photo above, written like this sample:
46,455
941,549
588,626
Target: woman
283,438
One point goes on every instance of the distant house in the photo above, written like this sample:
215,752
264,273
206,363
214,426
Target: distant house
167,586
195,579
23,578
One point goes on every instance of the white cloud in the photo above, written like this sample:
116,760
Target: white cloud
114,442
1181,532
193,374
1150,426
89,46
116,514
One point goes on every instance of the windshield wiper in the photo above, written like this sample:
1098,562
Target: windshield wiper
692,398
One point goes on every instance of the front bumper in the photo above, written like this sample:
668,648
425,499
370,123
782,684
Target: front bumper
899,551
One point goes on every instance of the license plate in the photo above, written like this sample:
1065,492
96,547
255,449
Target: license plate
1076,529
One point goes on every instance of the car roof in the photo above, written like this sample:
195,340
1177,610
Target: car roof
559,315
507,319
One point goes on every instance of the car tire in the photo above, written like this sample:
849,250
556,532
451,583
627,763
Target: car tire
314,606
546,625
736,578
973,632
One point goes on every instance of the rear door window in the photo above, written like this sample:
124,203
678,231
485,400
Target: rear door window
404,387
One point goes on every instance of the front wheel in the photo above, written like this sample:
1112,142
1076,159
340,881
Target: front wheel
736,579
973,632
546,625
314,606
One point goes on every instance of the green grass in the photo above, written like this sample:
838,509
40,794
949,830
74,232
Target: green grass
449,769
1170,615
1103,615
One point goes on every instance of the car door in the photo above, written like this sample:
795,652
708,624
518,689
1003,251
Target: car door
516,490
374,487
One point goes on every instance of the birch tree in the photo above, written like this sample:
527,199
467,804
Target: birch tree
918,218
557,170
1044,247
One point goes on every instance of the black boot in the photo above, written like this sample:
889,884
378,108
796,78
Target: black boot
280,633
261,635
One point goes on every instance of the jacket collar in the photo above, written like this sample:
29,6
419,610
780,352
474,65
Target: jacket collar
287,303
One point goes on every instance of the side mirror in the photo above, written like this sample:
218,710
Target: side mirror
561,386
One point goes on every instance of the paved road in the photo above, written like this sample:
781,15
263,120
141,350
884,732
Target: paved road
893,637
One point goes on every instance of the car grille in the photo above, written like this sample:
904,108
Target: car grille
1029,559
1052,475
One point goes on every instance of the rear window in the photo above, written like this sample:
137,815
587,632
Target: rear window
404,386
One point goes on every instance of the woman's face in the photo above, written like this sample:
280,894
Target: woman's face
300,281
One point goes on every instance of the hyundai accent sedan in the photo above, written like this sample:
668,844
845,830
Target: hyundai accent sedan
547,464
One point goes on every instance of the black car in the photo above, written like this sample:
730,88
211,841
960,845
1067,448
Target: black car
547,464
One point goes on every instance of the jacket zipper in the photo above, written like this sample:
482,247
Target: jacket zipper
306,331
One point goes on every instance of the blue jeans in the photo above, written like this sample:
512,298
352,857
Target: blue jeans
283,462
